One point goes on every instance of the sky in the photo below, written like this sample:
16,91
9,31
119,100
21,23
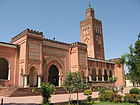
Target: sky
61,19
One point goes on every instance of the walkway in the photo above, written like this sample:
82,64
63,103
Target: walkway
32,100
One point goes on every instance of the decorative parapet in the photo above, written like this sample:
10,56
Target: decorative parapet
27,31
78,44
55,41
115,59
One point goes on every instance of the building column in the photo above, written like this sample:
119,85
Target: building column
90,79
97,78
108,78
39,80
59,80
25,80
103,78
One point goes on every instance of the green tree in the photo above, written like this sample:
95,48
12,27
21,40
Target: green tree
113,80
68,84
79,84
46,91
132,60
75,83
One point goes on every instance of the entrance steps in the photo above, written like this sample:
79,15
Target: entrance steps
7,91
32,91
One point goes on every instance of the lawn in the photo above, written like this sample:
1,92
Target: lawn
102,103
111,103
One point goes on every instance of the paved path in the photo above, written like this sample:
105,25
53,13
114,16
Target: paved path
38,99
32,100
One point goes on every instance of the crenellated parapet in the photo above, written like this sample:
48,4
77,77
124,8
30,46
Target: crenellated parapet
55,41
78,44
25,32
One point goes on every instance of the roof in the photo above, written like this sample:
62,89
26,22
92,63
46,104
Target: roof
100,60
8,45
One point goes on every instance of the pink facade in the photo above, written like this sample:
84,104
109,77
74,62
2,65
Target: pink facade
32,59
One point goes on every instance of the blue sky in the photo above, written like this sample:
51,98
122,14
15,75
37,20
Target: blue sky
61,18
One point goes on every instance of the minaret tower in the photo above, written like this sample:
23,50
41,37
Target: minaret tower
92,35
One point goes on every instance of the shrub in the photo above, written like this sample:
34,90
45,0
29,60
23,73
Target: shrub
46,91
88,93
106,96
101,90
116,97
130,97
134,91
110,96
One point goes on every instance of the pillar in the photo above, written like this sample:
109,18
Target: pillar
25,80
90,79
39,81
103,78
97,78
59,80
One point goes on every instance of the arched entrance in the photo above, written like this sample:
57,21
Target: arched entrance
33,77
4,69
53,76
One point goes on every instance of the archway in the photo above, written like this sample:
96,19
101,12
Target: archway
100,75
105,75
33,77
4,69
94,75
110,74
53,76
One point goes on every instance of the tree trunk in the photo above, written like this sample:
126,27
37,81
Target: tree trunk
77,98
70,99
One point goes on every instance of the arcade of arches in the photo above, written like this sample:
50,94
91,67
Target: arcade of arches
34,80
103,75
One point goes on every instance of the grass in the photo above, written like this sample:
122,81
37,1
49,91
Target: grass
105,103
111,103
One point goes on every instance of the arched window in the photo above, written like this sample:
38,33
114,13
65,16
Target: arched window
105,75
93,75
110,73
100,75
4,69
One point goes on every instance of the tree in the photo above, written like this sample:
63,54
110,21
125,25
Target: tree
113,80
79,84
132,60
68,84
46,91
74,82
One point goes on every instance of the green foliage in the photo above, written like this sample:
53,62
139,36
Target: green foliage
110,96
46,91
68,83
101,90
73,82
131,97
88,93
134,91
132,60
113,79
106,96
